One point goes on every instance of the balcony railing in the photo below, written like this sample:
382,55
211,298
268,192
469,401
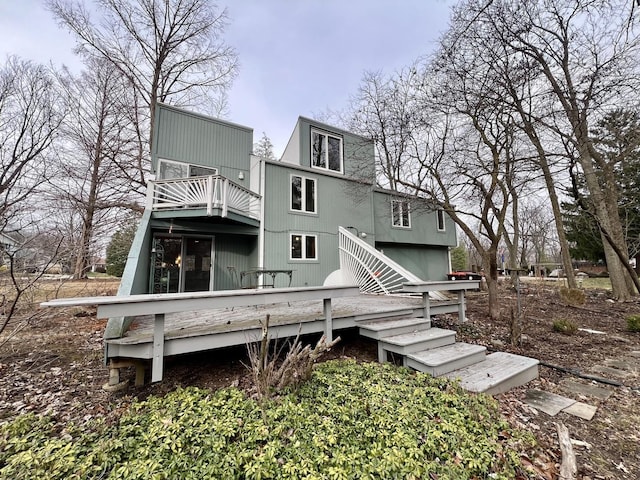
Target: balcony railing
210,192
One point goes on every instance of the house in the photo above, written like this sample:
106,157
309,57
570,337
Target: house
218,217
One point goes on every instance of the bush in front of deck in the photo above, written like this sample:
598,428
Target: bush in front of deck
349,421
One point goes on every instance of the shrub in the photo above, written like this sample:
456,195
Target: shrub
565,326
572,296
348,421
633,323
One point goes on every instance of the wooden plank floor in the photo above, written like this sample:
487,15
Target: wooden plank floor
187,332
188,324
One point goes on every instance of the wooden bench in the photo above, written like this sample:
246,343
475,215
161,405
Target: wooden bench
424,288
164,303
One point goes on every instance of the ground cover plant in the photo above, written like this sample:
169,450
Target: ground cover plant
349,421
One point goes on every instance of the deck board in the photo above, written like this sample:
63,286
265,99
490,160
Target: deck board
187,324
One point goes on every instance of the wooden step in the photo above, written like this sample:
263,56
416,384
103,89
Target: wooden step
439,361
498,373
397,326
406,343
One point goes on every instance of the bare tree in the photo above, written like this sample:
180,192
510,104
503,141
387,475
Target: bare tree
30,117
96,135
385,110
264,148
169,51
586,55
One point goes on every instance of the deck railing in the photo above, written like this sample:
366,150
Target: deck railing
209,192
370,269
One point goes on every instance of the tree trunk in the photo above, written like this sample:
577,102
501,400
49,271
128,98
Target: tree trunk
492,283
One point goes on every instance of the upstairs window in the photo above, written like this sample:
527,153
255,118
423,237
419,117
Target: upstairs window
400,215
440,219
303,247
169,170
326,151
303,194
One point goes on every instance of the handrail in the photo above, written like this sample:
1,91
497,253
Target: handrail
370,269
160,304
212,191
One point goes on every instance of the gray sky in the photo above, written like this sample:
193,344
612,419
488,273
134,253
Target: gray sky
297,57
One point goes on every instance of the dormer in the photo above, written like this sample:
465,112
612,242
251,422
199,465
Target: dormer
330,150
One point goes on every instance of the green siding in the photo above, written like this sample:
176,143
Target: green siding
135,278
358,152
340,202
192,138
238,252
423,229
427,262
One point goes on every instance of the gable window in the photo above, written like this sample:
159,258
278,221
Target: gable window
440,219
303,247
303,194
326,151
400,214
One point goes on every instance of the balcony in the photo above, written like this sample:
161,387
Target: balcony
214,193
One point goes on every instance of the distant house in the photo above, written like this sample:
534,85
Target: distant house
218,217
8,244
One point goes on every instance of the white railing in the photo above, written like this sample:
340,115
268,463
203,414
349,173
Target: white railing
213,191
370,269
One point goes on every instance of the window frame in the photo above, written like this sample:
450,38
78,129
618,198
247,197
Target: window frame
441,223
303,194
325,150
303,242
181,165
401,201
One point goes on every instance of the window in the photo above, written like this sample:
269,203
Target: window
326,151
303,247
303,194
400,213
168,170
440,219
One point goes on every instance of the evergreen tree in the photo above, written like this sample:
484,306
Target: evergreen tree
617,138
118,248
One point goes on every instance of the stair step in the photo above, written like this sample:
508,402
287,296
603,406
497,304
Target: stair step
383,316
498,373
441,360
391,327
406,343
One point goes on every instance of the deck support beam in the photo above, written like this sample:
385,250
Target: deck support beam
158,348
459,286
461,307
328,320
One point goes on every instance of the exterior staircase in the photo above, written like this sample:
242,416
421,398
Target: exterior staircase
436,352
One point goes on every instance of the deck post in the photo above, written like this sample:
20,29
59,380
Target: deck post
426,310
461,307
158,348
328,321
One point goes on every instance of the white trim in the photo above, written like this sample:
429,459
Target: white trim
402,202
440,215
188,166
303,239
303,194
325,144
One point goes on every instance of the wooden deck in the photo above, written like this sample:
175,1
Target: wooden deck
186,332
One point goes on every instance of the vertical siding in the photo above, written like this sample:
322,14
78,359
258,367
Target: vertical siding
424,227
235,251
193,138
358,152
340,202
427,262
